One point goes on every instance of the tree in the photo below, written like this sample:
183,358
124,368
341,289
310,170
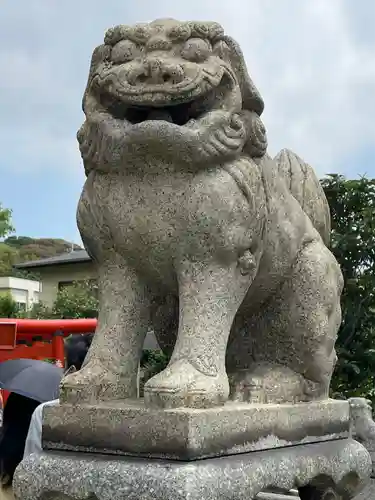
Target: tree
352,205
19,241
25,274
8,306
8,257
6,226
37,311
72,302
76,301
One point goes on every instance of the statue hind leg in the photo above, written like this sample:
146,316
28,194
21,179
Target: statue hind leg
286,351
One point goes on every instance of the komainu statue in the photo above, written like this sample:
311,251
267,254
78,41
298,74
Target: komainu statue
197,232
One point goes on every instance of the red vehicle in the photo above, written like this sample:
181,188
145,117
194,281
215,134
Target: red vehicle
38,339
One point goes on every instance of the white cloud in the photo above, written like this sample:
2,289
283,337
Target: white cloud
314,69
321,95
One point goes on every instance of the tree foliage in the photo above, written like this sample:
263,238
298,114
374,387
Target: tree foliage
352,205
6,226
8,306
8,257
40,247
76,301
16,249
152,362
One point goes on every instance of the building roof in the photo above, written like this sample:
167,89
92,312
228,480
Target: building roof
65,258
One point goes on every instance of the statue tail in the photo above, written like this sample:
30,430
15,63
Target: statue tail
306,189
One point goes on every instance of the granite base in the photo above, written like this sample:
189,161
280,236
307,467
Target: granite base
128,428
340,467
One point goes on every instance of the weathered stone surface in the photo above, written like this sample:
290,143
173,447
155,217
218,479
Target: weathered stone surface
363,426
368,492
345,464
197,231
189,434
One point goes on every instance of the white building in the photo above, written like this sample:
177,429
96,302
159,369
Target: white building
24,292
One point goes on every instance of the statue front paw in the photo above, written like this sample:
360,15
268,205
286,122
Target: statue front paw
93,384
182,385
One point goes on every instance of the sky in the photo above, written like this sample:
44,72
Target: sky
312,60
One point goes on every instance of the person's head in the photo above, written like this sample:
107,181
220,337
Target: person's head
76,348
16,420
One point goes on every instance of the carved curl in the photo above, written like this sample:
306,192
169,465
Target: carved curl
229,51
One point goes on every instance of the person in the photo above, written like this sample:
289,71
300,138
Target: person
21,432
16,419
76,348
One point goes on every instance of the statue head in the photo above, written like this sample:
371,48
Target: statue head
171,78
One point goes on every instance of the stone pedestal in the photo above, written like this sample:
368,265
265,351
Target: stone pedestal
335,470
128,428
122,450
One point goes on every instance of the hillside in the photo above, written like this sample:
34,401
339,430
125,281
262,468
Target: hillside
17,249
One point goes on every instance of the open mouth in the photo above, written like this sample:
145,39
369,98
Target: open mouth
178,114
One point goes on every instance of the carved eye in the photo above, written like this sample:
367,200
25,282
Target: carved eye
124,51
196,50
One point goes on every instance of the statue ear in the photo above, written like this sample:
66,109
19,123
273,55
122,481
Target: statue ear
100,54
229,50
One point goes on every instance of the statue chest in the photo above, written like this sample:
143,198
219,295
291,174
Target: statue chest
179,212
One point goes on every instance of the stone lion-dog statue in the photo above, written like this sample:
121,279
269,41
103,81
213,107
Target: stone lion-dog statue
197,232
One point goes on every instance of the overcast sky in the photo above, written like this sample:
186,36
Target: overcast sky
312,60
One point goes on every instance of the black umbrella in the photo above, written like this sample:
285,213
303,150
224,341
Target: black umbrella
32,378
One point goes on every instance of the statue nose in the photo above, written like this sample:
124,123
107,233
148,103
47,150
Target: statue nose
156,72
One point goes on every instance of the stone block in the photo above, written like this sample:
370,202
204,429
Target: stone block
128,428
344,464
